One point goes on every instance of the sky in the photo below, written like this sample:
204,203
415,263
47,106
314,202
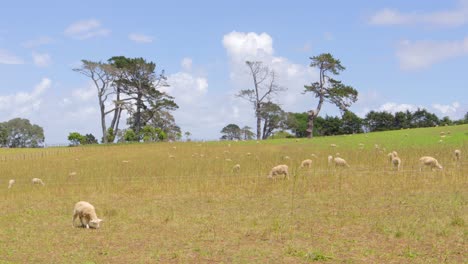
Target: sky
399,55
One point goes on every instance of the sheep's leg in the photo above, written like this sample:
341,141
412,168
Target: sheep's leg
74,218
81,220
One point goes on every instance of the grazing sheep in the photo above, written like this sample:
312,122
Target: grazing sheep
10,183
87,214
171,156
37,181
125,161
236,168
429,161
340,162
306,163
457,154
396,162
313,156
279,170
286,158
73,173
228,160
333,145
330,160
248,154
392,155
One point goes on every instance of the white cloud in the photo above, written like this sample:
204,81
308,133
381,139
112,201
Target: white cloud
394,107
85,94
422,54
33,43
24,103
186,64
85,29
449,109
41,59
259,47
185,87
446,18
140,38
8,58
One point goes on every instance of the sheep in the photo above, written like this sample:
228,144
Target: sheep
429,161
396,162
330,160
125,161
73,173
236,168
392,155
87,215
171,156
10,183
286,158
457,154
333,145
340,162
314,156
228,160
37,181
306,163
248,154
279,170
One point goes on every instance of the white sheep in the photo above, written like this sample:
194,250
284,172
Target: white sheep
333,145
37,181
306,163
286,158
236,168
429,161
279,170
392,155
87,214
10,183
396,162
313,156
457,154
330,160
339,162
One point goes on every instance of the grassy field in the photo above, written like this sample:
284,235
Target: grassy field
193,209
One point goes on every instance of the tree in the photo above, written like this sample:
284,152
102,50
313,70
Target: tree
140,83
102,75
90,139
75,138
351,123
297,123
328,89
22,134
422,118
130,135
246,133
273,117
264,80
379,121
231,132
187,135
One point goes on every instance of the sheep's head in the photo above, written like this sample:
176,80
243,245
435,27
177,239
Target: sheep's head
95,223
439,166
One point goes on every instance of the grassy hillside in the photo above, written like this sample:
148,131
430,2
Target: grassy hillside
193,209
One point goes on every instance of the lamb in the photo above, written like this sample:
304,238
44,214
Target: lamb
457,154
236,168
306,163
87,214
396,161
429,161
37,181
279,170
10,183
340,162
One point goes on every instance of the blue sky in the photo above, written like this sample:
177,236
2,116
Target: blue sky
398,54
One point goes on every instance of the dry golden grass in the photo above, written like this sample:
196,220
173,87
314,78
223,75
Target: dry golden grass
194,209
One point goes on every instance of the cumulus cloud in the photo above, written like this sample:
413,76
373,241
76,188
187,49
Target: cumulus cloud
251,46
40,41
8,58
140,38
85,29
41,59
394,107
423,54
85,94
446,18
24,103
185,87
449,109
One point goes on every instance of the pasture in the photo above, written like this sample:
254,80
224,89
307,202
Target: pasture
192,208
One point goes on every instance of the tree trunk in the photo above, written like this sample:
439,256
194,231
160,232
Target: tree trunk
310,125
138,114
264,136
103,120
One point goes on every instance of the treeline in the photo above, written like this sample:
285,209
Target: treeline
296,124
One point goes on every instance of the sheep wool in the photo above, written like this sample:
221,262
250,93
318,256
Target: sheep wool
429,162
279,170
37,181
87,215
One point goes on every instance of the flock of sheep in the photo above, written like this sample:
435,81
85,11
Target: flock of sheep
87,213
